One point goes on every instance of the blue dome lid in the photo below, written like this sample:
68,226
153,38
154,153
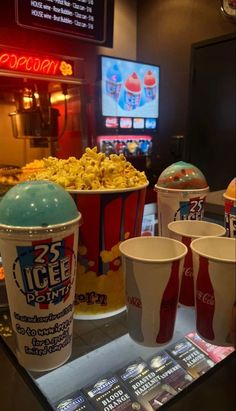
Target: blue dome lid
182,175
37,204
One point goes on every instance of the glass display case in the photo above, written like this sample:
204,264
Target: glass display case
100,348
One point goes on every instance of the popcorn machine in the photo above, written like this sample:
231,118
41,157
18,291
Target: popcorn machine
41,110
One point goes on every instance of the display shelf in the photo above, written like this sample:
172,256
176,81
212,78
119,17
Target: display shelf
108,357
100,347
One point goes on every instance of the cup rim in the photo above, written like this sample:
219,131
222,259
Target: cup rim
33,230
108,191
154,260
192,222
225,196
180,190
210,256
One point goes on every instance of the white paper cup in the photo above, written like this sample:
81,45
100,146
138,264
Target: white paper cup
186,231
214,268
152,267
40,271
175,205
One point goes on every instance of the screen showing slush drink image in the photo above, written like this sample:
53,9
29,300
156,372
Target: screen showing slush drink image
129,88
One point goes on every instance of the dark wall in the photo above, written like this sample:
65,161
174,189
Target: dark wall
165,32
212,115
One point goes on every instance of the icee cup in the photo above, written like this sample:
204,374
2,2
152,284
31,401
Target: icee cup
181,193
39,225
109,217
152,268
214,269
230,209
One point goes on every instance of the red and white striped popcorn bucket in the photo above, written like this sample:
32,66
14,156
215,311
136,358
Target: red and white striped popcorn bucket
109,217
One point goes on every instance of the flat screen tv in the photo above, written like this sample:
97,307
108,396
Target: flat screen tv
129,94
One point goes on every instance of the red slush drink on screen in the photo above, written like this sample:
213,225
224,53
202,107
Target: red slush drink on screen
132,94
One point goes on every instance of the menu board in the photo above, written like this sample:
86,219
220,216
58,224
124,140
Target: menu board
83,19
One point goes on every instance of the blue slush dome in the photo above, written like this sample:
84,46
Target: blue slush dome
114,74
182,175
37,204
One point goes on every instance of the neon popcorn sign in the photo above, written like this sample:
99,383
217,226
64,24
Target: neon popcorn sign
18,61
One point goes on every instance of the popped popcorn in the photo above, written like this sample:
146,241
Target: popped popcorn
93,171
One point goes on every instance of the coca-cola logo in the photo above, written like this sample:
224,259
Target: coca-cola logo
135,301
206,298
188,272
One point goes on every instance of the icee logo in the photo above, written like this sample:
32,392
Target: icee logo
45,271
191,209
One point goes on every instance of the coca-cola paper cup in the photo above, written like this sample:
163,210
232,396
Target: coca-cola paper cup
152,268
173,205
186,231
214,262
